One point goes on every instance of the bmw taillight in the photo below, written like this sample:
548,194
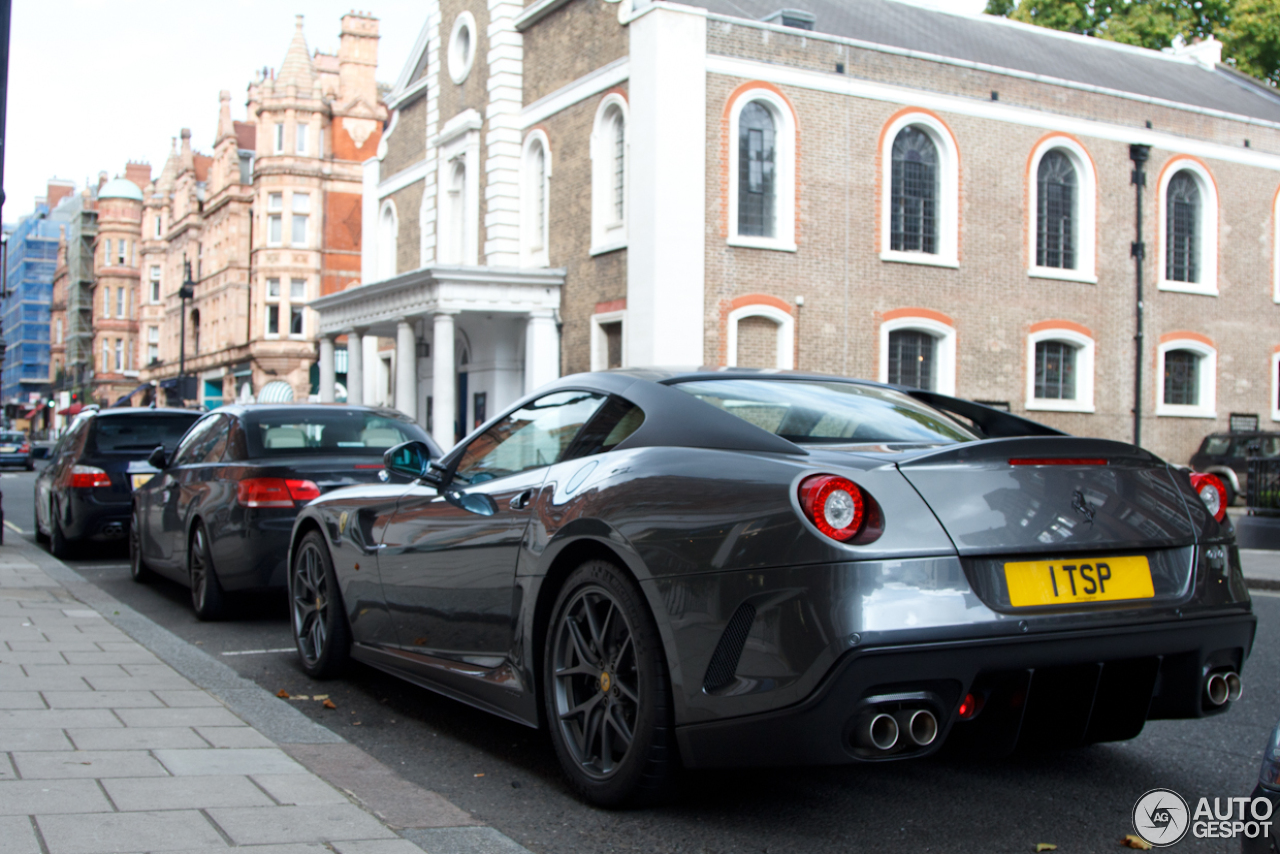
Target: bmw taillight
25,449
88,477
274,491
1212,492
834,504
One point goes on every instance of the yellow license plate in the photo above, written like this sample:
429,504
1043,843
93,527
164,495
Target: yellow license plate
1063,582
139,479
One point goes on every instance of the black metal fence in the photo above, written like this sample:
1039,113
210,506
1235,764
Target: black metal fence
1262,493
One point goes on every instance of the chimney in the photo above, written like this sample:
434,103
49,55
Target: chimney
138,172
58,189
188,161
102,179
358,58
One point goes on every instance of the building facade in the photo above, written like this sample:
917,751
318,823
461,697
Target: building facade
864,188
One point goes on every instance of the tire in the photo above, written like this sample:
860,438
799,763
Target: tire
207,598
604,673
59,545
138,569
41,538
31,465
316,612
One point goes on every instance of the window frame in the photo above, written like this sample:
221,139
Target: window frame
600,340
608,234
388,238
1275,383
944,350
1207,226
784,354
785,146
534,251
277,138
1206,377
948,254
1086,212
460,66
1085,346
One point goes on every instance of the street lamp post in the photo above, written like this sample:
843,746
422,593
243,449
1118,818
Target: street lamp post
186,292
1138,154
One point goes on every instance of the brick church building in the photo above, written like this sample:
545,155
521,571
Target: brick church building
860,187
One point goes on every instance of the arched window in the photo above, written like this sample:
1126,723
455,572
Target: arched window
1182,257
760,333
535,201
388,234
911,359
1056,212
1187,204
1186,375
454,221
918,349
756,171
914,199
1060,357
609,175
1182,378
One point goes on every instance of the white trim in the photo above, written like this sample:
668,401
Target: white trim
1206,380
405,177
608,234
1207,228
948,254
993,110
944,351
1084,217
784,195
385,265
464,122
785,354
1275,386
419,45
600,344
459,66
533,254
1084,370
536,11
408,94
1275,250
604,77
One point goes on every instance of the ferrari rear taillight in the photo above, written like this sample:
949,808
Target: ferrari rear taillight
1212,492
87,477
274,491
834,504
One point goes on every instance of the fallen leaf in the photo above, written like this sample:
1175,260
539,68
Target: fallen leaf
282,694
1046,846
328,704
355,723
1137,842
479,775
320,697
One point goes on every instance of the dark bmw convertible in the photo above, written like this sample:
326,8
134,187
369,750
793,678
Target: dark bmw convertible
729,568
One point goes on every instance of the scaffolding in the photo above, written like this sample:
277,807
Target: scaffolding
82,233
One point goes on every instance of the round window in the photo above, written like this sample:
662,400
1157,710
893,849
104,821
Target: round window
462,47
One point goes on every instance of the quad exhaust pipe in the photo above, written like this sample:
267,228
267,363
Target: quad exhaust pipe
883,731
1221,688
878,731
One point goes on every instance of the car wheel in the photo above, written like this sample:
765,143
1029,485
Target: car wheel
59,545
138,570
207,597
319,619
31,465
41,537
607,694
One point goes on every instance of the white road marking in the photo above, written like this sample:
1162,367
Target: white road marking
259,651
13,527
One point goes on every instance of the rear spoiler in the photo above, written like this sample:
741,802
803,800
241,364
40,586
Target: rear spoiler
992,423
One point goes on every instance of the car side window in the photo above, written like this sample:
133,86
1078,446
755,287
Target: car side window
217,443
198,442
611,424
537,434
237,443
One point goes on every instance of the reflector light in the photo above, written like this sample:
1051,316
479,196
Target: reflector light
1057,461
25,449
968,707
833,504
87,477
1212,492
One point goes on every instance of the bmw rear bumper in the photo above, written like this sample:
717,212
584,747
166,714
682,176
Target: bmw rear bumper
1046,691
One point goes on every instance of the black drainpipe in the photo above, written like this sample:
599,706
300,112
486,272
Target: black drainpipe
1138,154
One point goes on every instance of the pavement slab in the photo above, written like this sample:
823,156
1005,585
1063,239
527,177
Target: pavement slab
136,738
46,797
88,763
186,763
124,832
141,794
19,835
331,822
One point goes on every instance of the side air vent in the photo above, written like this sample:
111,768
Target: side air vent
724,661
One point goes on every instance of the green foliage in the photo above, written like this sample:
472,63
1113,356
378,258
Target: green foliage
1251,40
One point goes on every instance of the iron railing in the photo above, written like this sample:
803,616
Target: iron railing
1262,492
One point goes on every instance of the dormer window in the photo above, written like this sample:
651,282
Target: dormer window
795,18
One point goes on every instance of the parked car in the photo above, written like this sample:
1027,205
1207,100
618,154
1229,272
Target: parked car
84,492
1227,454
1268,787
731,568
15,450
217,516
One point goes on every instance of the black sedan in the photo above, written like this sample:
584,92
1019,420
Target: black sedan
218,514
737,568
84,492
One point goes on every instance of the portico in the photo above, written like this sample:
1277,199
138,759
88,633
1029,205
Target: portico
468,341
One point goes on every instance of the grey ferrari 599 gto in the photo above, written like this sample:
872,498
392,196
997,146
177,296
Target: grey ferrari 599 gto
719,568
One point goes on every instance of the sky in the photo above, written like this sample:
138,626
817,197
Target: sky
96,83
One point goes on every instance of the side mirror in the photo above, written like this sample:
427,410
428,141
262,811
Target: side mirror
156,459
412,460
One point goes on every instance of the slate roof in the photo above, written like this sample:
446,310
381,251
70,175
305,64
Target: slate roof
1024,48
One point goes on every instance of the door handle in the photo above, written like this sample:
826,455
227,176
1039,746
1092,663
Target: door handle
374,549
522,500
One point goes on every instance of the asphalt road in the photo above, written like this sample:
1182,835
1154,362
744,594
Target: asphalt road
507,774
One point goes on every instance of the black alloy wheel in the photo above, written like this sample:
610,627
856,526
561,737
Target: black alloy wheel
41,537
608,697
207,597
138,569
59,545
319,621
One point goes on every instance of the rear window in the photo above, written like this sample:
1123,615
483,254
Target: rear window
334,432
12,438
1216,445
811,411
139,432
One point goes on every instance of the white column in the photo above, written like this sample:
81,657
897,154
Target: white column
666,217
541,350
444,380
327,377
355,368
406,368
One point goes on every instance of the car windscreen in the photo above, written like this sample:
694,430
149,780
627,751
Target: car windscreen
333,432
12,438
1216,445
138,433
813,411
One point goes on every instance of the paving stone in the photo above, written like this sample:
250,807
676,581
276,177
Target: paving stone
21,700
84,671
87,763
262,825
234,736
145,670
138,683
300,789
464,840
182,763
186,699
18,835
102,700
47,656
62,646
137,655
33,739
114,833
377,846
178,793
46,797
6,768
135,738
67,682
56,718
